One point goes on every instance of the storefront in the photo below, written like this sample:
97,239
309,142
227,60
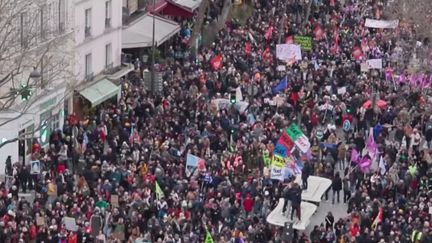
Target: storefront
45,115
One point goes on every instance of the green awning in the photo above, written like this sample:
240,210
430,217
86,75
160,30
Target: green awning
100,92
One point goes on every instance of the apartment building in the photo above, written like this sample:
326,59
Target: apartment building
98,38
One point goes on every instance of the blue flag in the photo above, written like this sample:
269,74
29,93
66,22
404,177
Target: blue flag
283,84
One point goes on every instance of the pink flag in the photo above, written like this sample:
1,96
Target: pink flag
413,80
372,147
364,163
402,78
355,155
289,40
388,74
269,33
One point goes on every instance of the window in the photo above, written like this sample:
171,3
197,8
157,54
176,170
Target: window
42,23
55,122
88,67
108,56
88,22
23,33
108,14
45,125
61,16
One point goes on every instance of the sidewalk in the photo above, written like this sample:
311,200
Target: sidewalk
210,31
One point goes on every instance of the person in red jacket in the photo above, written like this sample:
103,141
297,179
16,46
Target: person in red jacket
248,204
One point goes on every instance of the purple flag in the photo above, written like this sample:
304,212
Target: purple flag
372,147
364,163
355,156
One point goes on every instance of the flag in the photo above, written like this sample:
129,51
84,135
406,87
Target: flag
289,40
378,219
208,238
364,163
266,158
318,32
412,169
372,147
216,62
355,155
159,192
357,53
381,166
269,33
283,84
248,48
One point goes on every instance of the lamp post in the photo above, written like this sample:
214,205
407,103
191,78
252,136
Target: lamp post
153,50
374,74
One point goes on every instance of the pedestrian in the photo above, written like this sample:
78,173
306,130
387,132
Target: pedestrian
336,187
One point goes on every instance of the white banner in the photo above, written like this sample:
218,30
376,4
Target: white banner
374,63
287,52
303,143
381,24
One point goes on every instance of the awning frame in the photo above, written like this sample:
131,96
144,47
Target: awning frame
100,92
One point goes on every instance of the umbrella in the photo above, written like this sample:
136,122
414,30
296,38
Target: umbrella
380,103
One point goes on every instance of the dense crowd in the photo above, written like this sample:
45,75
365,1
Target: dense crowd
120,175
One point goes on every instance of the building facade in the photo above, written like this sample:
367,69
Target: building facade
98,37
35,71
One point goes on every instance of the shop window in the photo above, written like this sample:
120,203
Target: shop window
45,125
55,122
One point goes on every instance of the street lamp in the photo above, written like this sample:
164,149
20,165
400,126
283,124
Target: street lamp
35,75
374,74
153,50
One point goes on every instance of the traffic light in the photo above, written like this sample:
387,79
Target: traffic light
25,93
233,97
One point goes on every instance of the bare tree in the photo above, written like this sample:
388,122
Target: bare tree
413,48
35,57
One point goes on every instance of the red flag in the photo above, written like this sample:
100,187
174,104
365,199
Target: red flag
378,219
332,3
248,48
269,33
265,53
216,62
335,48
289,40
357,53
318,32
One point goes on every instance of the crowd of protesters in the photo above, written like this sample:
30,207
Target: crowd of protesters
103,171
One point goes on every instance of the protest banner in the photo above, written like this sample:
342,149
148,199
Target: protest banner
286,52
305,42
381,24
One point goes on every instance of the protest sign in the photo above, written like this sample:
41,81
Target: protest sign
305,42
374,63
40,221
381,24
70,223
276,167
114,200
193,163
286,52
364,67
35,167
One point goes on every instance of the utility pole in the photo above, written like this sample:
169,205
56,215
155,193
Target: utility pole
153,51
